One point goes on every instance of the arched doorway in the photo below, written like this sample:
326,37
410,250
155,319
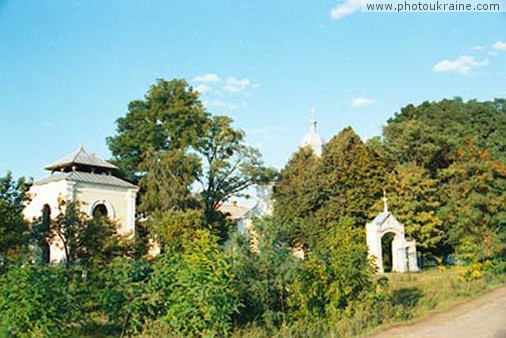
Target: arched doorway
388,245
387,251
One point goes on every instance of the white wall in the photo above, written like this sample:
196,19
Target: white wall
120,202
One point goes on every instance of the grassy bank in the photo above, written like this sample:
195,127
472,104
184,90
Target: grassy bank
419,295
413,297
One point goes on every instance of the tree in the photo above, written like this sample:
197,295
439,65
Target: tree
475,206
13,227
350,181
166,184
88,241
296,193
430,134
414,197
262,278
230,167
333,275
168,142
172,225
170,117
345,182
442,139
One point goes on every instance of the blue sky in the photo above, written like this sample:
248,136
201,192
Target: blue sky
69,68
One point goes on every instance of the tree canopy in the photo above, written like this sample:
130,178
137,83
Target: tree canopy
13,227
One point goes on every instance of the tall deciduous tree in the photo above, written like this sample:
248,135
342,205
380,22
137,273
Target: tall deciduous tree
414,198
296,193
229,167
13,227
430,134
350,179
345,182
171,117
167,180
475,205
168,142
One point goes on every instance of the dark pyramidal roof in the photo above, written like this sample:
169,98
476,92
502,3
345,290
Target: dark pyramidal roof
81,158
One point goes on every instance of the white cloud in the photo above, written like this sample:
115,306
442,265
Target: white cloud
202,88
344,9
266,133
209,77
261,137
493,53
499,45
217,103
479,47
461,65
234,85
360,102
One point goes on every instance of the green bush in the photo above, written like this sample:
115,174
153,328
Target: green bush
39,301
121,293
191,290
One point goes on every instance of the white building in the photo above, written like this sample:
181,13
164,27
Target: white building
313,138
83,177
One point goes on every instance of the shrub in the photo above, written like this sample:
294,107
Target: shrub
39,301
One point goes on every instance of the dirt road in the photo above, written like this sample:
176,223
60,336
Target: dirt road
480,318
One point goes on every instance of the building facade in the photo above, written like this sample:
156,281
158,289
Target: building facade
90,180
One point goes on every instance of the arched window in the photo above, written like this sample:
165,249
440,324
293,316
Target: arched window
46,216
46,224
100,210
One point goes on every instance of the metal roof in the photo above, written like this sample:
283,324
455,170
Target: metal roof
381,217
234,211
81,157
78,176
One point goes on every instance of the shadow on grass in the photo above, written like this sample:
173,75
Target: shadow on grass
94,329
407,297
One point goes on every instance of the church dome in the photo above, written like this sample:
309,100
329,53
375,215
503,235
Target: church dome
312,138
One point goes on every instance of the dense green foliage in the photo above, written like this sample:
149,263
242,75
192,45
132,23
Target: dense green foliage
475,207
13,227
38,302
85,240
333,275
415,199
442,165
448,159
303,272
431,134
350,179
313,193
169,143
169,118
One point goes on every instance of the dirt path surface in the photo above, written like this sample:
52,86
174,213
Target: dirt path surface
479,318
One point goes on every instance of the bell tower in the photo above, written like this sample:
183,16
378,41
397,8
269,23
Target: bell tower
84,177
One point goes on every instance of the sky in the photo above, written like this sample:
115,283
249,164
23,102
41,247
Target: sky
69,68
